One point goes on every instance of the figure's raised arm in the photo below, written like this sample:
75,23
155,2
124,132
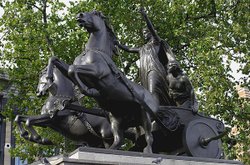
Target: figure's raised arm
149,25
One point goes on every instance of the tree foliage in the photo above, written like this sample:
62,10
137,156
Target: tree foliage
206,36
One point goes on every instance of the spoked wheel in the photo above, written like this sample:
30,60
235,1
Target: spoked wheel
196,143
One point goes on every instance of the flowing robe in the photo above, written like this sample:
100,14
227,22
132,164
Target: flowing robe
152,72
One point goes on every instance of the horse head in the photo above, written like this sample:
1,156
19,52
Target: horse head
96,22
46,84
43,84
92,21
57,85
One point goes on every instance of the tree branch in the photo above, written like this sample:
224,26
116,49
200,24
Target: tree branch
180,47
212,14
48,39
35,6
3,35
25,58
232,7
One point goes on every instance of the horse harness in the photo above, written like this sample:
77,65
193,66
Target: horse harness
86,123
61,102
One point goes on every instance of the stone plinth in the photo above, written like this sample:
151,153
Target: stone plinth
91,156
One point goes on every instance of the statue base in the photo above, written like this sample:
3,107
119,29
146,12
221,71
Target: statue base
96,156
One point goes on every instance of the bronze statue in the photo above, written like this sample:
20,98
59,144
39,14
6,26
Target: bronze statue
129,104
153,57
175,129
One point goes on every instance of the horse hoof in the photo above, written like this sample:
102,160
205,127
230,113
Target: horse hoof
17,118
24,134
147,150
36,137
115,147
27,122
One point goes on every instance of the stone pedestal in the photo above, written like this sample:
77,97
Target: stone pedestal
94,156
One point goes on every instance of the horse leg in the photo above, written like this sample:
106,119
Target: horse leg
106,134
19,120
76,70
106,144
146,123
31,120
117,133
40,121
37,138
33,136
72,71
60,65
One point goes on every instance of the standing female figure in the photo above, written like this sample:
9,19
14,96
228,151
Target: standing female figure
154,55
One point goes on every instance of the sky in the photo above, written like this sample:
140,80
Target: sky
234,65
1,12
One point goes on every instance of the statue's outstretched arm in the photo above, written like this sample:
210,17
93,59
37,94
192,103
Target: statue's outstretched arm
128,49
150,25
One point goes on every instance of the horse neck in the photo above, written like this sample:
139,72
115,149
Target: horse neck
100,40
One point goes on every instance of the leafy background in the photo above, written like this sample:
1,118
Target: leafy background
206,36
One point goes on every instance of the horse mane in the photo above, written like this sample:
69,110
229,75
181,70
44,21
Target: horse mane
42,72
110,30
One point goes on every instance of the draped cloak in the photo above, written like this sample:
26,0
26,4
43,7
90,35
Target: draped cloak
150,65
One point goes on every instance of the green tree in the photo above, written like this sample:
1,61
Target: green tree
206,36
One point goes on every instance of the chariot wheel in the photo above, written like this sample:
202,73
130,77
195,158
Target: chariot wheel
194,136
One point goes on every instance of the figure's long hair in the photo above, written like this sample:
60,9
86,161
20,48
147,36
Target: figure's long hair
110,30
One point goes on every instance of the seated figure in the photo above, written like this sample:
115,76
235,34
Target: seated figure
180,87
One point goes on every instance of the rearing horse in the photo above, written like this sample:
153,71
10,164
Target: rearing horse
78,125
97,76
